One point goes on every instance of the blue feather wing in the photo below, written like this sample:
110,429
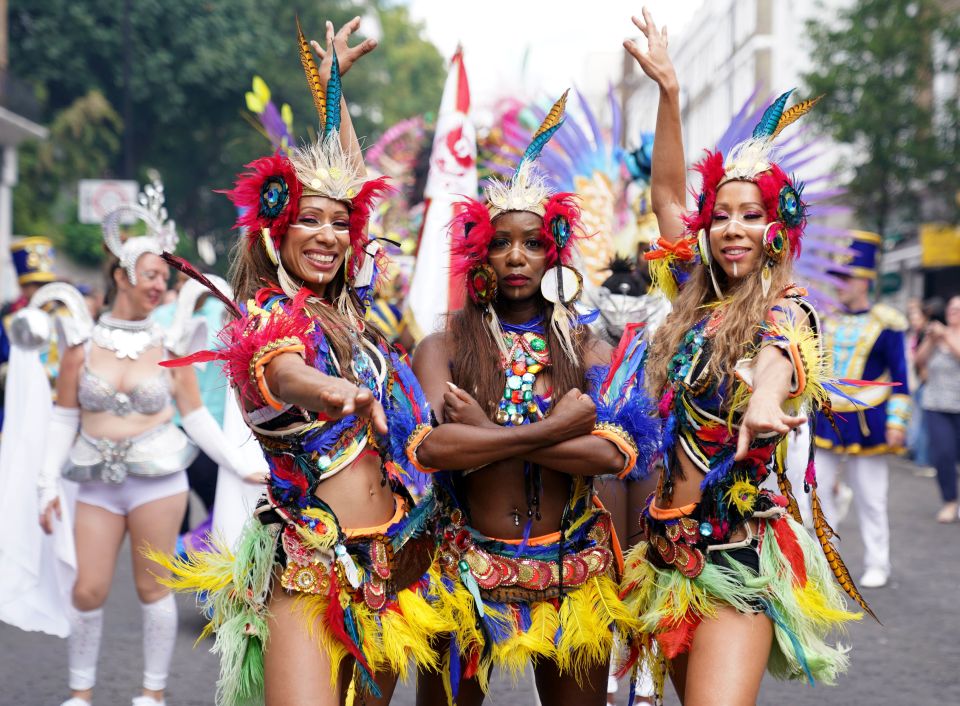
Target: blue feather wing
536,147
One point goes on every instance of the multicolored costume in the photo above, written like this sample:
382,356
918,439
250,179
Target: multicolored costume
368,593
551,597
869,345
739,546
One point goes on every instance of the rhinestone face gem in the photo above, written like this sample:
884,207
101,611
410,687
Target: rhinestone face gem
706,529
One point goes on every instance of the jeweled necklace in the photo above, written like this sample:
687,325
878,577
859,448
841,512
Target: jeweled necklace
527,355
127,339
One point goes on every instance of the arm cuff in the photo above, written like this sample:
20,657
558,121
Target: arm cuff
417,437
618,436
262,358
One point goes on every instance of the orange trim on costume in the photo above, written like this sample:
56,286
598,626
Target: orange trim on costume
413,443
533,541
400,504
617,549
622,445
797,361
258,371
671,513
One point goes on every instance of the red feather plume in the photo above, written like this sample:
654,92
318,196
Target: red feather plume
788,544
562,205
246,196
470,234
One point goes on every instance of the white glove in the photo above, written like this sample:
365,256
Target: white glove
61,433
207,434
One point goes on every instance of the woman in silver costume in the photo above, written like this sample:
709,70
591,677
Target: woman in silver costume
111,431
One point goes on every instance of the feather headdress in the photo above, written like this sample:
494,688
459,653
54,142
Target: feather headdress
754,159
527,190
268,193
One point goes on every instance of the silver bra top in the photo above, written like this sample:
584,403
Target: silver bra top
149,397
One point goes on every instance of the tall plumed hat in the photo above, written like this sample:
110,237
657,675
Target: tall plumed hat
33,260
472,230
161,235
267,194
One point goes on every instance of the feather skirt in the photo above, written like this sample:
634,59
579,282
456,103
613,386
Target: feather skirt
383,627
795,588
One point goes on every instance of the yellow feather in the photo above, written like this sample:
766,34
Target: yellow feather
208,571
795,113
553,117
317,89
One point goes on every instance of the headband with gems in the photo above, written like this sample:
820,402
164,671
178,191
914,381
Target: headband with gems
267,195
161,233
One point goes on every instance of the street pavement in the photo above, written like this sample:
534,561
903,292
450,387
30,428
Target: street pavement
913,658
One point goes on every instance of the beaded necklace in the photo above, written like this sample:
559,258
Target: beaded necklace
527,356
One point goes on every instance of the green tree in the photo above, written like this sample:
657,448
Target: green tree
875,63
190,64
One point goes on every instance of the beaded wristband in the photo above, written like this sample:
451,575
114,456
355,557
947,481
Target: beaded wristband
417,437
262,357
618,436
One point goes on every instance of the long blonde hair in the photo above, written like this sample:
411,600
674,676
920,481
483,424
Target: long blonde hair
745,309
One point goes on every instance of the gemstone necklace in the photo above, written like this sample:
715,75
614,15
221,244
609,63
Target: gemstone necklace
527,356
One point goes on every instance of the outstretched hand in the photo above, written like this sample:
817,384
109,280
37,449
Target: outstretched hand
346,55
337,398
655,62
763,415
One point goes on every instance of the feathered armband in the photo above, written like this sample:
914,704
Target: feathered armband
251,342
625,415
664,260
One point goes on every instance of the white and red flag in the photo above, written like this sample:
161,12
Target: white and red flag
452,175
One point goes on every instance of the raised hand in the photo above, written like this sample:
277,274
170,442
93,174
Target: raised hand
655,61
763,415
460,407
346,55
574,415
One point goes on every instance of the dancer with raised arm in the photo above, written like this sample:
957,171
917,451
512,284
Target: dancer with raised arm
727,582
333,576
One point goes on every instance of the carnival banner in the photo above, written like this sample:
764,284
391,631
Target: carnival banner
453,174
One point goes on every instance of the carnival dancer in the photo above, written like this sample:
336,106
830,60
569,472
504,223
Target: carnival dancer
867,341
110,431
728,582
528,553
333,573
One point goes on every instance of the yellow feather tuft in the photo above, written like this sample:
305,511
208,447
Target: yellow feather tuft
662,279
317,89
553,117
742,495
815,606
204,571
795,113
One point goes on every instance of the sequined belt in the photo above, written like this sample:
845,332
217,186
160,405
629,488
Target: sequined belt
160,451
366,563
505,572
678,539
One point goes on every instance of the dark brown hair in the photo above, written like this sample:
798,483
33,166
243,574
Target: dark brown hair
476,365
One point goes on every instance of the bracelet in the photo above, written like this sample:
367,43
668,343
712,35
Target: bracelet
260,359
417,437
618,436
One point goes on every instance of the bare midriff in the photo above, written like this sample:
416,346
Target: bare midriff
357,495
497,499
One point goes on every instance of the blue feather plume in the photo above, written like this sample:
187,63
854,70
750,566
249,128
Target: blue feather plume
334,92
771,117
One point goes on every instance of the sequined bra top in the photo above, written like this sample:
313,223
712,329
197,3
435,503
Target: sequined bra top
149,397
